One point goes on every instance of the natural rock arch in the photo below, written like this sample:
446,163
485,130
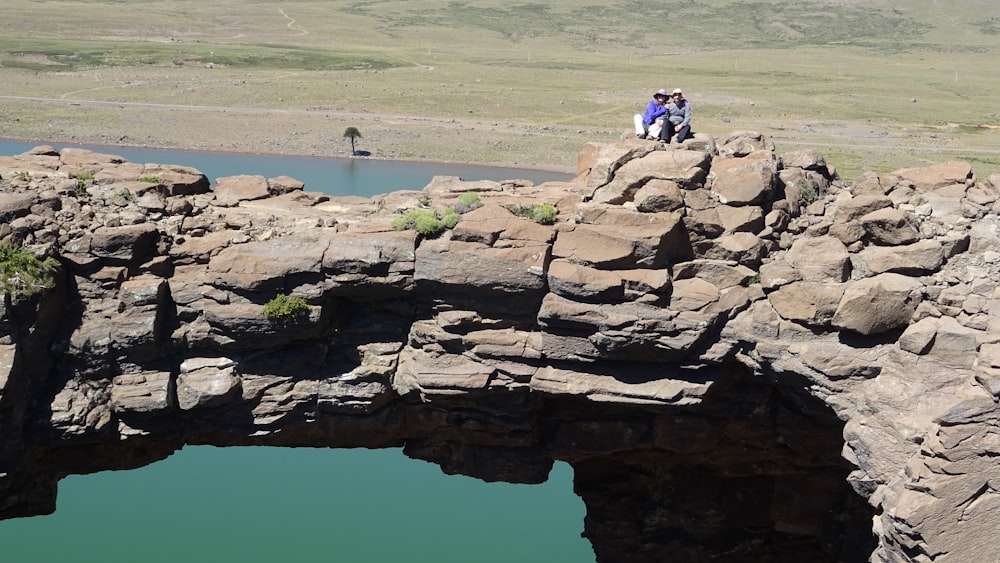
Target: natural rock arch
713,335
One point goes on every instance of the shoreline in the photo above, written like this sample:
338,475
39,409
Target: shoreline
570,171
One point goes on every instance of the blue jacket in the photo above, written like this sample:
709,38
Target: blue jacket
654,111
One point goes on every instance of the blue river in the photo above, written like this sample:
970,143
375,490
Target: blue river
205,504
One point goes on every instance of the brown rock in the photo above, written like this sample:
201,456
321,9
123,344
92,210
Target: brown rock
15,205
131,243
624,240
231,190
494,225
810,303
806,159
685,168
693,294
848,213
268,263
145,393
582,283
608,388
919,258
889,227
820,259
744,248
658,196
742,143
721,273
937,176
879,304
748,218
744,181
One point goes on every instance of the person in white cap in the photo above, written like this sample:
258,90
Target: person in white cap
650,123
677,125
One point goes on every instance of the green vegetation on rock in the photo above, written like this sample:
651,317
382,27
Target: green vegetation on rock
467,202
541,213
431,223
284,308
22,273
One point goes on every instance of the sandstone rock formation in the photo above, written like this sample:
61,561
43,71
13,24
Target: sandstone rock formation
742,357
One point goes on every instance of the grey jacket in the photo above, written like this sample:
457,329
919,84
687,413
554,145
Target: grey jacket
679,114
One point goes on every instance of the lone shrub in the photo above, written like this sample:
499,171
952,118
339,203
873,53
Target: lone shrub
22,273
284,308
541,213
808,194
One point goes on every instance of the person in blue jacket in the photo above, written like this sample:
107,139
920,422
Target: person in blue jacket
650,124
677,123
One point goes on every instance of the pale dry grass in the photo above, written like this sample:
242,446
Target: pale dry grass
490,82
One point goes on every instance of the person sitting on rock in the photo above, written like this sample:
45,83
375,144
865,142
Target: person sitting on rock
650,124
678,119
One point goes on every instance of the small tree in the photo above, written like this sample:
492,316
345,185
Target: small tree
352,133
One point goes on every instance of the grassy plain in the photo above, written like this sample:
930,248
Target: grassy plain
875,84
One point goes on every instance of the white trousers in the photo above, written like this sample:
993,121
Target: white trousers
640,127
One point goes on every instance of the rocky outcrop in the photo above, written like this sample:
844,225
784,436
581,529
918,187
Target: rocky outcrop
742,357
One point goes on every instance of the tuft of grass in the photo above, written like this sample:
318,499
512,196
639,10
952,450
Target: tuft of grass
80,190
150,179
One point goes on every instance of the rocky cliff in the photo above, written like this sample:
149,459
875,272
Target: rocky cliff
742,357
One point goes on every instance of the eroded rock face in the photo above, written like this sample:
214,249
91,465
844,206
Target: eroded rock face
742,357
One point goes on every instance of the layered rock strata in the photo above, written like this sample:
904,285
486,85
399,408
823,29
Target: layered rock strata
742,357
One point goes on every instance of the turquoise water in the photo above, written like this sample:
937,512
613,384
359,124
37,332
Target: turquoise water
278,504
302,505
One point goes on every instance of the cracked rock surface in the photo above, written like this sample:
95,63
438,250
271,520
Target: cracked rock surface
742,357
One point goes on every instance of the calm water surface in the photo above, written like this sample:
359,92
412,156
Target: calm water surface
303,505
335,176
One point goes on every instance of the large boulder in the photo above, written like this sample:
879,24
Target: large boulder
747,180
878,304
687,169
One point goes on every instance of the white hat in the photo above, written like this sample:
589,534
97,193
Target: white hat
676,91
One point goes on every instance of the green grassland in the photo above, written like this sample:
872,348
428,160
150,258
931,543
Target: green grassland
876,84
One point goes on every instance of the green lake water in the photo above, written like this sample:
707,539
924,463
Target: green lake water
302,504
